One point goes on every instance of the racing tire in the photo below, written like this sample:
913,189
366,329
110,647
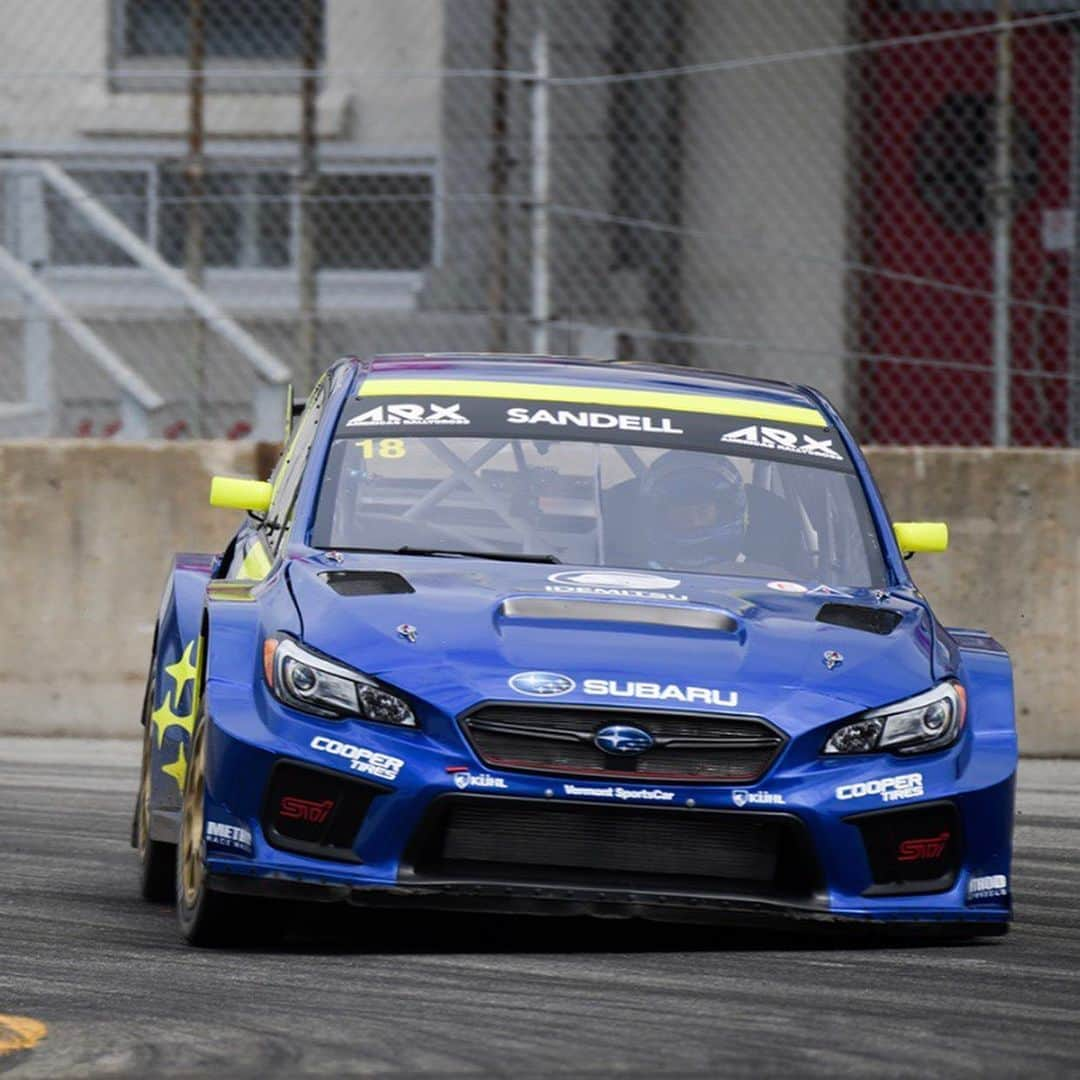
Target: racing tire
157,859
207,918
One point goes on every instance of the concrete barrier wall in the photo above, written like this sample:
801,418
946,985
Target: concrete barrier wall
87,531
1013,567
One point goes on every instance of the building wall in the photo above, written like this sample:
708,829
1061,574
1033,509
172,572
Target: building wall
765,190
369,45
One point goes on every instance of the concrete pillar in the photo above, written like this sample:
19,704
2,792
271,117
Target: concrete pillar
764,180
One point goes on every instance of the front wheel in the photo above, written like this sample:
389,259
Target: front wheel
206,917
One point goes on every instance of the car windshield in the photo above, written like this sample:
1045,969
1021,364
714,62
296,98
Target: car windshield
747,512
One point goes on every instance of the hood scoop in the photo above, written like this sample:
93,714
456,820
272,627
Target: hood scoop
544,609
856,617
366,582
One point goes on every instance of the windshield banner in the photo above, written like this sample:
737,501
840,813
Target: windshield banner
675,428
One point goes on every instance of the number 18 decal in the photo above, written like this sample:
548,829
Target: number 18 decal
382,448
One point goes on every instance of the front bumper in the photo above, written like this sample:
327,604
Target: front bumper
380,868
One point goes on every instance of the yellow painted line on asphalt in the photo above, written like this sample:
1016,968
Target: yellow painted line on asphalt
20,1033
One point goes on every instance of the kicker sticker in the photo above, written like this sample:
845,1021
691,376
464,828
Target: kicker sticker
360,759
465,780
620,793
772,438
889,789
757,798
661,425
232,837
988,887
623,584
409,413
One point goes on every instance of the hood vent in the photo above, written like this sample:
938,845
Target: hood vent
366,582
606,611
872,620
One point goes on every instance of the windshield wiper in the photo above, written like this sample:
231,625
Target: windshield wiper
504,556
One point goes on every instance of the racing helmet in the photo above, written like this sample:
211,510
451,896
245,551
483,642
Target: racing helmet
694,510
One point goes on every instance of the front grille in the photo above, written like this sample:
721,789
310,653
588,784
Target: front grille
537,842
688,747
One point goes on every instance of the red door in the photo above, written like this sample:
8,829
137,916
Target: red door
926,169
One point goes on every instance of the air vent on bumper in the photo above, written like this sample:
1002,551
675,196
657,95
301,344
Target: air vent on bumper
315,811
911,851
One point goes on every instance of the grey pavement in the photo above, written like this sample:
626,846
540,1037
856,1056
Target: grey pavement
475,995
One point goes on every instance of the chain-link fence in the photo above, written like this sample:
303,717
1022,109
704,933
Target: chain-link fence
202,199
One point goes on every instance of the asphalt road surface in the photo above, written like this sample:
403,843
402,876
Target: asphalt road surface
470,995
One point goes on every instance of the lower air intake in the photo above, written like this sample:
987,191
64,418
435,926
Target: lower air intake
916,850
315,811
522,841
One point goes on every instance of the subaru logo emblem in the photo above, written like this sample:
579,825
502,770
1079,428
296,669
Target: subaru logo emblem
541,683
621,739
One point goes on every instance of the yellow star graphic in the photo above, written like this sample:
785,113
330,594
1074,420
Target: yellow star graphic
182,672
178,769
161,718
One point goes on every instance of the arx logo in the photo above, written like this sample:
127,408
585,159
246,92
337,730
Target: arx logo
922,848
306,809
771,438
396,415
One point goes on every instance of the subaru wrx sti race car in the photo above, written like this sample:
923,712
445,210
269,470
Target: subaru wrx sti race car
543,635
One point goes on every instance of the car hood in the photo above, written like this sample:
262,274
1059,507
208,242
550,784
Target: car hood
477,623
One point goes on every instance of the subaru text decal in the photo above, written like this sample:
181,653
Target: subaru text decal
650,691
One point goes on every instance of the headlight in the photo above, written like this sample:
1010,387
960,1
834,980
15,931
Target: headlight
316,684
929,721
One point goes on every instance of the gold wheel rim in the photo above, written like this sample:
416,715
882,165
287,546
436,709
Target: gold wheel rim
192,860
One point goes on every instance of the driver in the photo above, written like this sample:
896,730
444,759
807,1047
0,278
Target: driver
694,511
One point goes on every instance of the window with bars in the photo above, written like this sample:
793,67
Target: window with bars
363,220
251,46
234,29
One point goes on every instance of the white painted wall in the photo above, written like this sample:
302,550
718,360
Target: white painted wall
56,56
765,170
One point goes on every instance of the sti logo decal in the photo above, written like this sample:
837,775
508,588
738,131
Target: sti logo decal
306,809
923,848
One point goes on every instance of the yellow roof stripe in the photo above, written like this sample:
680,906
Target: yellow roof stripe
593,395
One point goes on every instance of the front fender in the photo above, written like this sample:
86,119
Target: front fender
174,681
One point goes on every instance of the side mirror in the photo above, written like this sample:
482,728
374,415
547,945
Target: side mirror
232,493
926,536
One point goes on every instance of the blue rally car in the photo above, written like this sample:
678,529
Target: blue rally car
545,635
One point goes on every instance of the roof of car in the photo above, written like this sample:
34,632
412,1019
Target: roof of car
582,372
